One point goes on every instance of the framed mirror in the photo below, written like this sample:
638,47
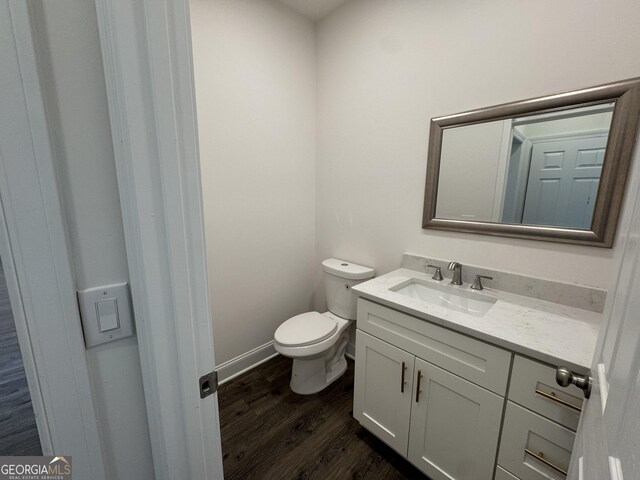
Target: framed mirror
551,168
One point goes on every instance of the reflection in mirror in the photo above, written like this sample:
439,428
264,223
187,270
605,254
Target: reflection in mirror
540,169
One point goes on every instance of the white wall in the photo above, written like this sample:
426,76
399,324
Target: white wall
472,148
255,74
71,70
386,67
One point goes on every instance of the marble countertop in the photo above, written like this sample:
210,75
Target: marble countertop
550,332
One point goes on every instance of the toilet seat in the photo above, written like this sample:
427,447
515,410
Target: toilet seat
305,329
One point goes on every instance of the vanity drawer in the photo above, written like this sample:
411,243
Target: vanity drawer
474,360
533,385
532,447
502,474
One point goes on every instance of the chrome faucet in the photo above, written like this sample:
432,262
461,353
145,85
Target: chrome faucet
457,273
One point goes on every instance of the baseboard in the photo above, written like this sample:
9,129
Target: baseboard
245,362
350,351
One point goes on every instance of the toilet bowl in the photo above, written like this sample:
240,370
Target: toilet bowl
318,353
317,341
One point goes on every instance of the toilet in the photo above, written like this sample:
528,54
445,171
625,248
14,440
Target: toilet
317,341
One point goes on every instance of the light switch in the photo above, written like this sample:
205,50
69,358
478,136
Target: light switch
107,315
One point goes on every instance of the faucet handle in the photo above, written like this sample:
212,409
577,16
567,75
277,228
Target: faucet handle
477,283
437,275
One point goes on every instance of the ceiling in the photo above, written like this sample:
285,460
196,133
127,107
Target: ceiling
313,9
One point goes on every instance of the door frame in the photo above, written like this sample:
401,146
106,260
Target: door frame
146,54
36,260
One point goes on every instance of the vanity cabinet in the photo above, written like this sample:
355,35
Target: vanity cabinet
440,399
446,425
474,360
539,424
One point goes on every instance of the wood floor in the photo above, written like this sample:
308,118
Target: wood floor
18,432
268,432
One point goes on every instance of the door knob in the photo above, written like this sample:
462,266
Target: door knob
565,377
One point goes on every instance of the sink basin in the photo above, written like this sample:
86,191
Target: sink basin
449,297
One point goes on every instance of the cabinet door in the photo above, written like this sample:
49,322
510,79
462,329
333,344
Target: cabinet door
454,426
502,474
381,403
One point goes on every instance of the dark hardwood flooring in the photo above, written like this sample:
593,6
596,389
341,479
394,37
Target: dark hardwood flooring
268,432
18,431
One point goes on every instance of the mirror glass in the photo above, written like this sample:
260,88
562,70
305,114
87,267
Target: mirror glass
539,169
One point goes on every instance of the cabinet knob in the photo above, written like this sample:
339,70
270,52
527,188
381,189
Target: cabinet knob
565,377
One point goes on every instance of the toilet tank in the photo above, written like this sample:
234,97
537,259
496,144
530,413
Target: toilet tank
339,277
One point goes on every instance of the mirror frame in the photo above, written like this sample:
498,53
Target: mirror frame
613,179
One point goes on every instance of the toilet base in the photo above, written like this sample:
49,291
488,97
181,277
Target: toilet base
312,376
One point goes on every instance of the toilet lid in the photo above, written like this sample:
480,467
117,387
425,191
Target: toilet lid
305,329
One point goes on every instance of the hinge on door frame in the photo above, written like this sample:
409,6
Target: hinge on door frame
208,384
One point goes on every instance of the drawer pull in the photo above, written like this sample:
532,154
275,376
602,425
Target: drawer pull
553,397
418,386
403,381
540,456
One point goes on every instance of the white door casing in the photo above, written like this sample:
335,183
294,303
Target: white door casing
146,50
34,251
609,431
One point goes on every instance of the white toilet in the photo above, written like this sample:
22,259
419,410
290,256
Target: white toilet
317,341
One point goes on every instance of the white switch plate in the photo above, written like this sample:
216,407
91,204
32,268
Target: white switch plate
106,314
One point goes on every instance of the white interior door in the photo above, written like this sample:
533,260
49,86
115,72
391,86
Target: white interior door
607,445
563,181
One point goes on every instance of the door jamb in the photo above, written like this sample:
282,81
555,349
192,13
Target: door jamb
146,50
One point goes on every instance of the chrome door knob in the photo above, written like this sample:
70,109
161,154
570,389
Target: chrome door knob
565,377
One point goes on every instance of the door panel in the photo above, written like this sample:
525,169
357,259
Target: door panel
563,181
454,426
583,190
609,431
380,403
